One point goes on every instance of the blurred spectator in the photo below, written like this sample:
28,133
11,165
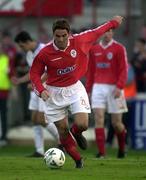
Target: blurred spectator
22,68
130,91
6,72
138,62
130,88
143,32
8,45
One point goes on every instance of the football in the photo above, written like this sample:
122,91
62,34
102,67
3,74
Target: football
54,158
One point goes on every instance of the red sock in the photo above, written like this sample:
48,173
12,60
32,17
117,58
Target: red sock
121,139
75,129
70,147
100,140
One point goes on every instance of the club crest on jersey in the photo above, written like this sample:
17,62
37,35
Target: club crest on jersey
73,53
109,55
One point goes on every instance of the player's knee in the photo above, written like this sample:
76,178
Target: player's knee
99,124
117,126
83,127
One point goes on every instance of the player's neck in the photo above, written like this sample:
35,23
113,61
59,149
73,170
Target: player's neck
34,45
106,42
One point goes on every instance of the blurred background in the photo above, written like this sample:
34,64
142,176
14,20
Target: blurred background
37,16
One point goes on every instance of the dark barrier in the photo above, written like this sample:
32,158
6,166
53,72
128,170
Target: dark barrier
138,123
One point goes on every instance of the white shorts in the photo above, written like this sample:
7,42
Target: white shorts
102,97
36,103
73,98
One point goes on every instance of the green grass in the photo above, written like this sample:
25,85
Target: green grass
14,165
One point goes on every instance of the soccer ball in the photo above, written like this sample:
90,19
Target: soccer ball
54,158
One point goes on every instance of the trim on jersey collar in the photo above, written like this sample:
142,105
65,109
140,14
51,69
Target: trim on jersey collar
56,48
109,44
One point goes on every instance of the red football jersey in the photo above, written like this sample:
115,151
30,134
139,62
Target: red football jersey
66,67
107,65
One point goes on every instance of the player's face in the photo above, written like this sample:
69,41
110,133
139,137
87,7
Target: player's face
61,38
24,46
108,36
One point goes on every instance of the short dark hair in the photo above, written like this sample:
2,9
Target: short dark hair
23,36
61,24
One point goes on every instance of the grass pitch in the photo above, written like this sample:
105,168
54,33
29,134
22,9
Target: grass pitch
14,165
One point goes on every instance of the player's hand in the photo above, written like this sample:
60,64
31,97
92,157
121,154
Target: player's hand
45,95
15,80
119,19
117,92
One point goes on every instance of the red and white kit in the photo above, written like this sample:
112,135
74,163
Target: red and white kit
66,67
108,69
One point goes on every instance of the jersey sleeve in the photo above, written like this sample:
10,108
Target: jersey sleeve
36,71
123,67
87,38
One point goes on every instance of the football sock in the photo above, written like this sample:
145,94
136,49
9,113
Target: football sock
100,140
53,131
121,140
70,147
38,139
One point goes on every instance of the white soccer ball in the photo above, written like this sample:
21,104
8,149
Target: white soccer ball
54,158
